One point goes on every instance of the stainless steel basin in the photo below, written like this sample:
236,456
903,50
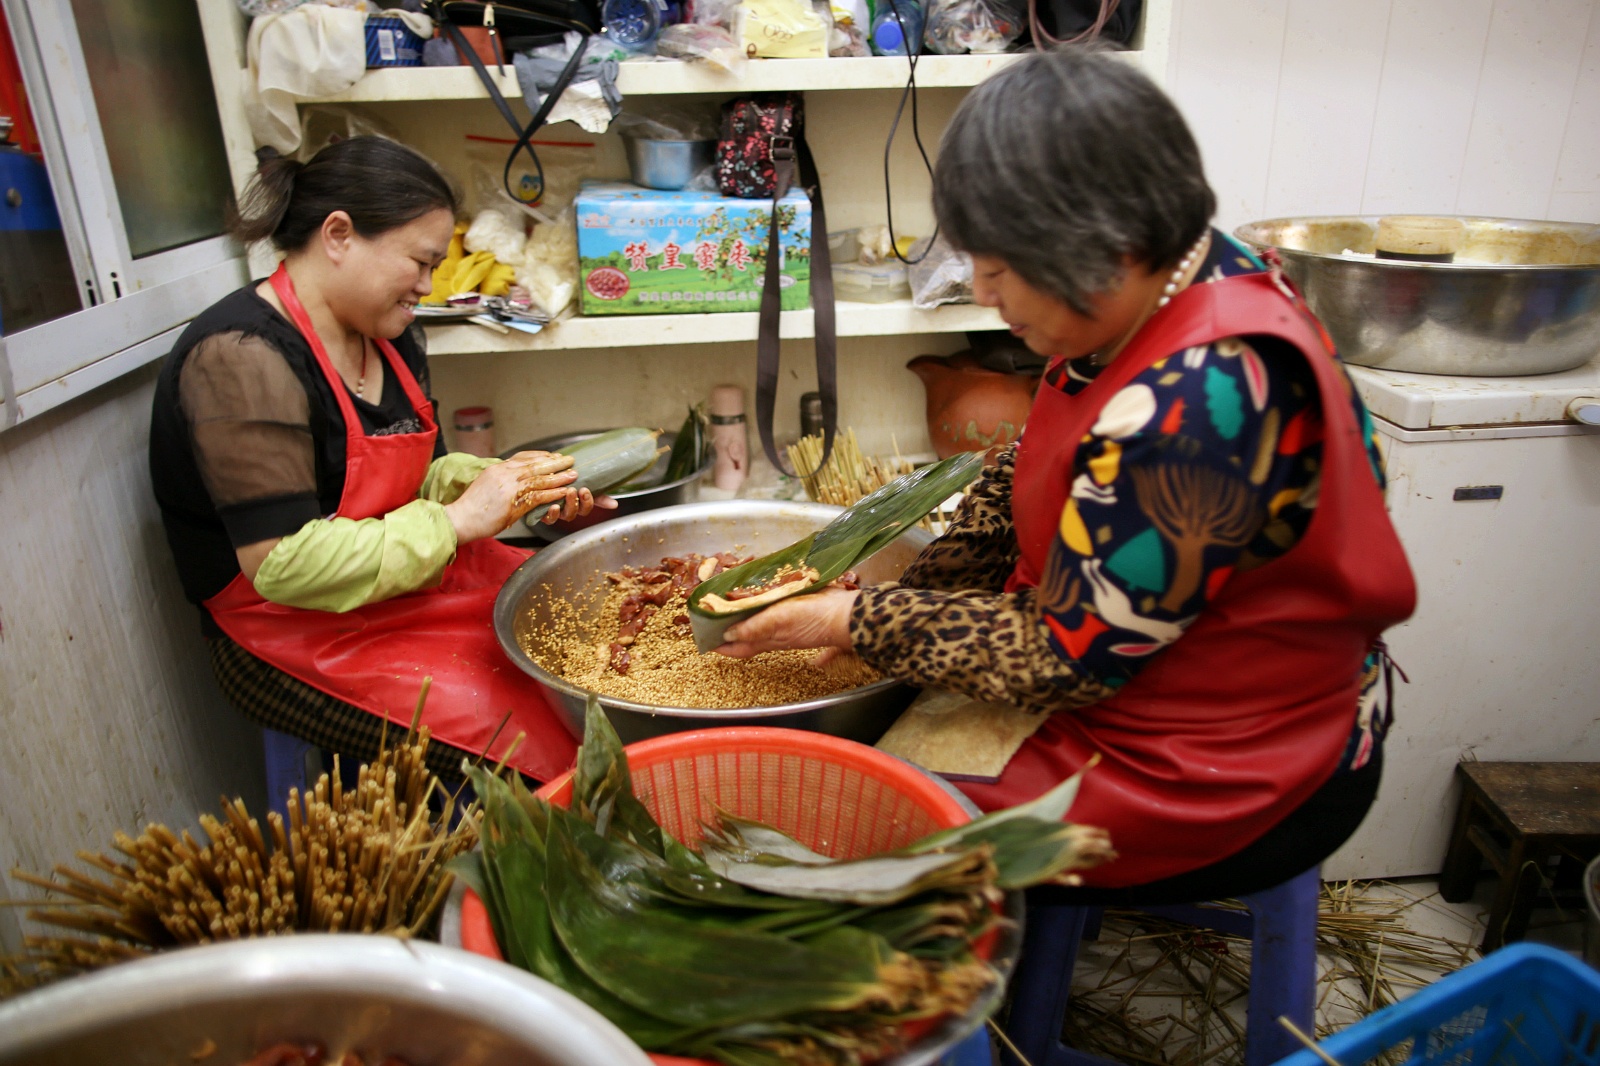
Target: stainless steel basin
576,561
1530,306
374,995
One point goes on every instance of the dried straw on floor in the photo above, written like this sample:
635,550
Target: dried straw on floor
1174,995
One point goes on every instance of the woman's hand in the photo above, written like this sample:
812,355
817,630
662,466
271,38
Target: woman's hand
815,620
506,491
573,504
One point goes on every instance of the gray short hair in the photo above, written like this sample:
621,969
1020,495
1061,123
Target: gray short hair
1065,162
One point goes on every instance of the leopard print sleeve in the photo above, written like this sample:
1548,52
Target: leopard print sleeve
978,551
992,647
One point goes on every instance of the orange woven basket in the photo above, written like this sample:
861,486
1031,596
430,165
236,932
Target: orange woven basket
836,796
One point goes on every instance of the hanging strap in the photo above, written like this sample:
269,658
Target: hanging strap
1043,41
786,153
524,134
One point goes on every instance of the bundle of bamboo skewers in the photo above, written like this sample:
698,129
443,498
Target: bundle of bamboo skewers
369,859
848,475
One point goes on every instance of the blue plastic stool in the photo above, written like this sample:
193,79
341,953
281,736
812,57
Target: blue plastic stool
291,763
973,1051
1281,924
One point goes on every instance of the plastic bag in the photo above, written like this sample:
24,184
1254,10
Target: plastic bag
784,29
944,275
956,26
714,35
548,267
254,8
494,229
564,170
656,120
325,124
709,44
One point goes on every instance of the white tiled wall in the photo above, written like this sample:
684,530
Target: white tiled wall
1375,106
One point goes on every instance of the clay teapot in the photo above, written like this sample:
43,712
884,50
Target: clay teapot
970,408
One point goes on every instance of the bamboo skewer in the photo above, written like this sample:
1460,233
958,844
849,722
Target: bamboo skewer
848,475
367,859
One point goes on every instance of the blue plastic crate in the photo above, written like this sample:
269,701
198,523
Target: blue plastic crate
1524,1005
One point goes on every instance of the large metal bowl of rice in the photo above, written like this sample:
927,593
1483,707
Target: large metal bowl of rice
566,584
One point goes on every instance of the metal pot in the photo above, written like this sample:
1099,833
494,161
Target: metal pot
577,561
374,995
683,490
1528,304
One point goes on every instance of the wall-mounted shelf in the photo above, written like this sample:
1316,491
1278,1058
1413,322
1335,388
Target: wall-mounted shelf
671,76
854,320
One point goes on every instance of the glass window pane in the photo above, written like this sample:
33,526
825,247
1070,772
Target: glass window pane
36,277
158,110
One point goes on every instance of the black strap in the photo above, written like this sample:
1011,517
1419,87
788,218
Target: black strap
524,134
786,153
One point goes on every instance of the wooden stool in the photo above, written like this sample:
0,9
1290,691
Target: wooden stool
1517,815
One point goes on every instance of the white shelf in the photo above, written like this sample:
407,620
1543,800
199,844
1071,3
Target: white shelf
622,331
668,76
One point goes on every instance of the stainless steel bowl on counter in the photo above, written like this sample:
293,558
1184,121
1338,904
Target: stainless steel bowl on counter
1522,298
758,526
683,490
376,996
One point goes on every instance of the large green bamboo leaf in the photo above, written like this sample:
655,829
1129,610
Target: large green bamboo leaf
692,974
861,531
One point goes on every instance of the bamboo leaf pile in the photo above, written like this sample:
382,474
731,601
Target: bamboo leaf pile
755,951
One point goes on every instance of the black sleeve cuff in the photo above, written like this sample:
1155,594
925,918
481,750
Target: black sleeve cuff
271,516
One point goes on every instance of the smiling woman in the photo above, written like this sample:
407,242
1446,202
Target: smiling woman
337,552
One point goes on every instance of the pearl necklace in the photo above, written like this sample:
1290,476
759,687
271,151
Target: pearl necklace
361,378
1179,276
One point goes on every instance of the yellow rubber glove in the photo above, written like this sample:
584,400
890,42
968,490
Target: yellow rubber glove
340,564
449,475
499,280
473,269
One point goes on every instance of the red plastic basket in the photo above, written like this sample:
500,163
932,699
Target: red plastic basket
837,797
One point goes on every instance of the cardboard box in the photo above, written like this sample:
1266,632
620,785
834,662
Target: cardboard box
649,251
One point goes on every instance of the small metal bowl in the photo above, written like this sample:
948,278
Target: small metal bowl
1529,304
683,490
576,562
667,164
373,995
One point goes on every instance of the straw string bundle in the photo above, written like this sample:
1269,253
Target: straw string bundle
369,859
848,475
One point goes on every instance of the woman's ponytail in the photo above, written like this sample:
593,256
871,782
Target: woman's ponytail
267,198
379,183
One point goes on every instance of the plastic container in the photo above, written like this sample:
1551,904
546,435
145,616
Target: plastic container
889,36
1524,1005
475,431
390,43
843,246
841,798
667,164
874,283
634,25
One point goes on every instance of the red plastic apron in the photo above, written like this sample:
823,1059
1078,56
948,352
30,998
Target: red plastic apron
1226,731
376,656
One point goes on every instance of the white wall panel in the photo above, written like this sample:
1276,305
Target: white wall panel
1578,170
1333,58
1226,62
106,694
1425,104
1525,94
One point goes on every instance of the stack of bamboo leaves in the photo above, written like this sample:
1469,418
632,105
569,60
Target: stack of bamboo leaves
757,951
369,859
848,475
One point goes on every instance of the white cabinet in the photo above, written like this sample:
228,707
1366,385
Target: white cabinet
590,372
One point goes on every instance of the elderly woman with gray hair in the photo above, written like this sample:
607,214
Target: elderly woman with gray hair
1184,566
